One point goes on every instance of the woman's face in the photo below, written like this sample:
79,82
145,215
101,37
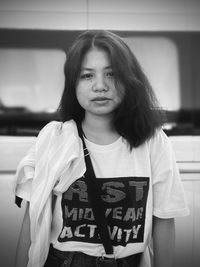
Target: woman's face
95,88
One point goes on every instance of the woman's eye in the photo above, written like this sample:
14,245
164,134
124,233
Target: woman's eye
110,74
86,76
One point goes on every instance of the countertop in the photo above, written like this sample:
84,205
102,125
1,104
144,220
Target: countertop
187,152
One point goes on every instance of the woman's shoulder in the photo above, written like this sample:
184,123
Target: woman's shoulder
56,130
159,141
57,127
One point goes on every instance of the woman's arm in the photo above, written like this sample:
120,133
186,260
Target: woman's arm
163,242
24,241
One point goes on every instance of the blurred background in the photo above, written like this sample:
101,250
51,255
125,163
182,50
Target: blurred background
34,38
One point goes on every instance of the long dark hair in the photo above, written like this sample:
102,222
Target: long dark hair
139,115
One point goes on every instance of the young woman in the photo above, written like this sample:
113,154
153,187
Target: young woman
109,107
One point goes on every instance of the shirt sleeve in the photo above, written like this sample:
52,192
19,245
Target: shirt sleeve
23,189
169,198
24,177
26,169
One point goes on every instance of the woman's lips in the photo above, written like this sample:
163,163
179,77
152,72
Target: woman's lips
100,99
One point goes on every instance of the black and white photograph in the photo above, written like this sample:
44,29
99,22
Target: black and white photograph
99,133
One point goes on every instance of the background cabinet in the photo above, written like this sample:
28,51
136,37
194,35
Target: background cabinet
187,150
10,220
146,15
187,228
44,14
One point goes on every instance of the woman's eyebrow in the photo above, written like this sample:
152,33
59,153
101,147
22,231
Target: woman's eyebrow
90,69
86,68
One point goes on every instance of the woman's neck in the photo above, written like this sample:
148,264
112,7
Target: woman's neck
99,130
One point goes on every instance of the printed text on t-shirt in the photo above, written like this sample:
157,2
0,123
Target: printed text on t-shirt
124,200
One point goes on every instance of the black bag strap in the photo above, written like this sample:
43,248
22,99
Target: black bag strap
94,195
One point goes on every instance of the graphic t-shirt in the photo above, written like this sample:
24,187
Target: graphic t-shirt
134,186
124,202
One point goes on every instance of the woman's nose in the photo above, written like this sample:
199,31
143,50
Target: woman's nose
100,84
